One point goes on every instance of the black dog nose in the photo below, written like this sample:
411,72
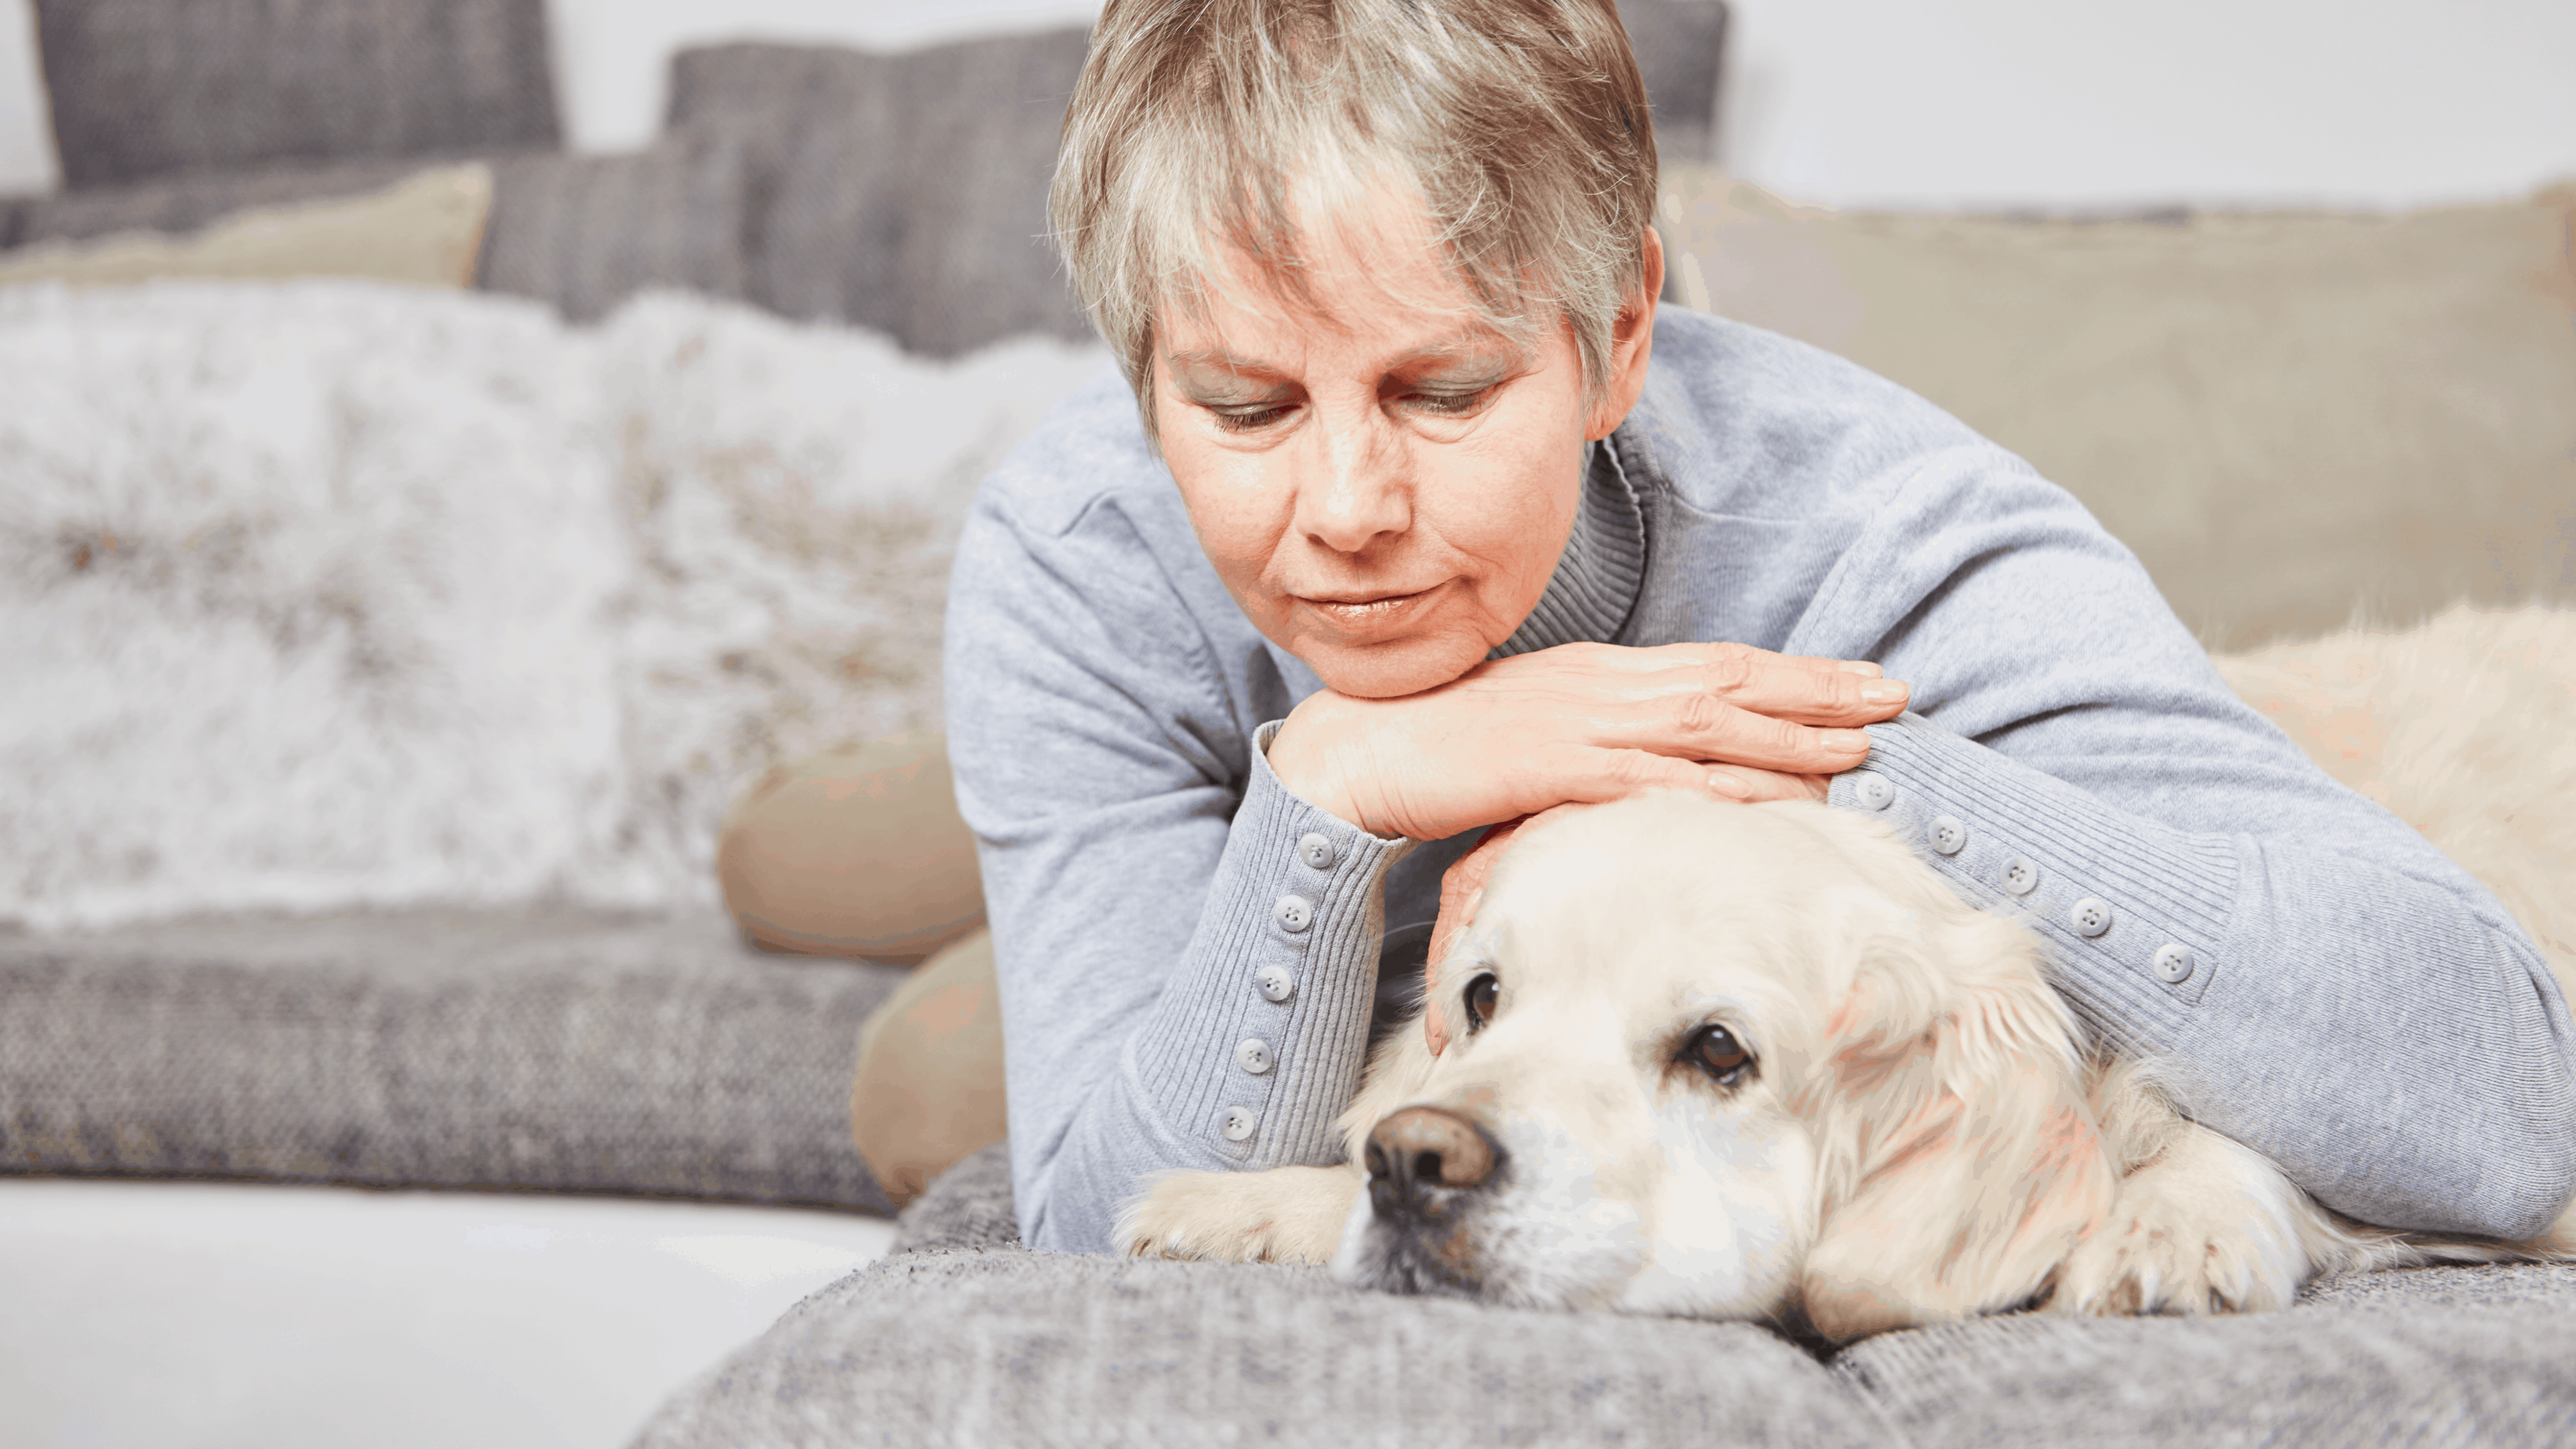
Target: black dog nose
1414,1153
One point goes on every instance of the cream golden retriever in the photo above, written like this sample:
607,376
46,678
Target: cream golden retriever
1759,1062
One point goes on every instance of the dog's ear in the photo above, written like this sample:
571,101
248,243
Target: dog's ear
1960,1161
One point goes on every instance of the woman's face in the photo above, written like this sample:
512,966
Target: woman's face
1383,483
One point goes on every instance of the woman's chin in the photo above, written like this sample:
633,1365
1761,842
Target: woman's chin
1393,669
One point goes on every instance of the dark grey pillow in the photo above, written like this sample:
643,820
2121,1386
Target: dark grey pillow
546,1050
1680,45
146,88
586,232
906,193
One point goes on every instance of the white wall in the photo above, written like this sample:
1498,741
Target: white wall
2074,103
2048,103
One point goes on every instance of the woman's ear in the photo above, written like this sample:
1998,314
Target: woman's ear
1632,346
1960,1161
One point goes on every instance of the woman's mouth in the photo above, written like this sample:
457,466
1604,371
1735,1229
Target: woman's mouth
1369,615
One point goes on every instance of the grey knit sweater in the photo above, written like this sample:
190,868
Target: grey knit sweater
2326,987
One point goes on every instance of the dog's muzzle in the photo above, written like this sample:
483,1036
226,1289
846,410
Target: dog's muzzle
1428,1170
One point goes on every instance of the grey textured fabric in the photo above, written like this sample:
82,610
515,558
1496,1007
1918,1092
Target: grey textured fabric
901,192
968,1206
190,203
145,88
586,232
1008,1346
546,1051
1001,1346
1680,45
2329,1377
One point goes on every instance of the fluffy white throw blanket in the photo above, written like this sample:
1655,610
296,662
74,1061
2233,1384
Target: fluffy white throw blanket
329,594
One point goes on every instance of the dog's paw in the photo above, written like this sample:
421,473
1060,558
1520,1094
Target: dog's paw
1287,1215
2211,1227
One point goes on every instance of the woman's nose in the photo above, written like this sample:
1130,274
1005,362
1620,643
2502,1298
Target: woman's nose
1353,489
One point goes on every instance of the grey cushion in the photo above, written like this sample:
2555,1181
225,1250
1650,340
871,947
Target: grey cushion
901,192
2408,1373
964,1336
1680,45
968,1206
146,88
586,232
554,1051
1007,1346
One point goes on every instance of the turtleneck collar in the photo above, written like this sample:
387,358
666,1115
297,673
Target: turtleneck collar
1595,584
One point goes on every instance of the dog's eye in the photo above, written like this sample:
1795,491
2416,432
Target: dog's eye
1714,1050
1482,993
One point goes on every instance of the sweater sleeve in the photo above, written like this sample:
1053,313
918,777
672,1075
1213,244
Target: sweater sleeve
1186,951
2315,979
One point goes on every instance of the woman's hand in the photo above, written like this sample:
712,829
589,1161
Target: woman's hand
1582,723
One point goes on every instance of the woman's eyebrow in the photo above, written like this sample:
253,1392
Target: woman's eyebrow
1472,346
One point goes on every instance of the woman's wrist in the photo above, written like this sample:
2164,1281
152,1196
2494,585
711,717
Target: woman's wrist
1302,760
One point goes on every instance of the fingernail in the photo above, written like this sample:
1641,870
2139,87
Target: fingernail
1860,666
1848,740
1881,693
1729,786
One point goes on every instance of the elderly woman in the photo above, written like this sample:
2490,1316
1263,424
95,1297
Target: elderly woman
1417,515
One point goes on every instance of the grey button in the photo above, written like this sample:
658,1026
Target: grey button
2091,916
2020,876
1238,1125
1253,1055
1949,835
1316,851
1294,914
2174,963
1873,790
1276,982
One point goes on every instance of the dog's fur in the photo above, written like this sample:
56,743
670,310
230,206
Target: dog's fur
1920,1136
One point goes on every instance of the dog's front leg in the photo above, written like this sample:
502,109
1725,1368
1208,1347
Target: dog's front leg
1287,1214
2210,1226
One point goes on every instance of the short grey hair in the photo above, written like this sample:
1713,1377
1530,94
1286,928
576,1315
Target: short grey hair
1521,124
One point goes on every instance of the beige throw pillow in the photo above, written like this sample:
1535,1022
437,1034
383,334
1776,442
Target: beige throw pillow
425,231
2290,417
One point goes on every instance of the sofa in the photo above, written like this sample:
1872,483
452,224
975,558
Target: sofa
385,654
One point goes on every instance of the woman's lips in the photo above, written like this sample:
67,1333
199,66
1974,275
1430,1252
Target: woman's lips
1371,618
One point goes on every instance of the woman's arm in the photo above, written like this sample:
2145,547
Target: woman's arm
2321,983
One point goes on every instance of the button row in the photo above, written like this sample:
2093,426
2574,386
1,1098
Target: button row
2091,917
1294,914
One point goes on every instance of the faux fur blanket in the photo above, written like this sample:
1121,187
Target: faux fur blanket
327,594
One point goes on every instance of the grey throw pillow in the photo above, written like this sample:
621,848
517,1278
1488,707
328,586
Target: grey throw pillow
182,204
148,88
906,193
586,232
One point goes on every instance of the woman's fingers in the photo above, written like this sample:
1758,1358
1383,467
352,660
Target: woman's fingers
1804,690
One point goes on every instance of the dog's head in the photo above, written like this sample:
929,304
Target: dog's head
1729,1061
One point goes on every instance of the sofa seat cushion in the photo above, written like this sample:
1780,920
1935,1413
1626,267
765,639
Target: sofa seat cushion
965,1336
1007,1346
562,1051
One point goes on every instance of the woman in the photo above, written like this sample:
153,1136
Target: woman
1450,525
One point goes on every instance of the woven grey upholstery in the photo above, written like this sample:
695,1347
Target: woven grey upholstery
586,232
901,192
968,1206
1680,46
1008,1347
146,88
966,1337
558,1052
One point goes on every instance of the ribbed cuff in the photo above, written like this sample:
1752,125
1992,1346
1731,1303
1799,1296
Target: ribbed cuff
1265,1029
2135,913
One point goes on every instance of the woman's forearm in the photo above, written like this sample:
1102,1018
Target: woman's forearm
1254,1044
2355,1008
